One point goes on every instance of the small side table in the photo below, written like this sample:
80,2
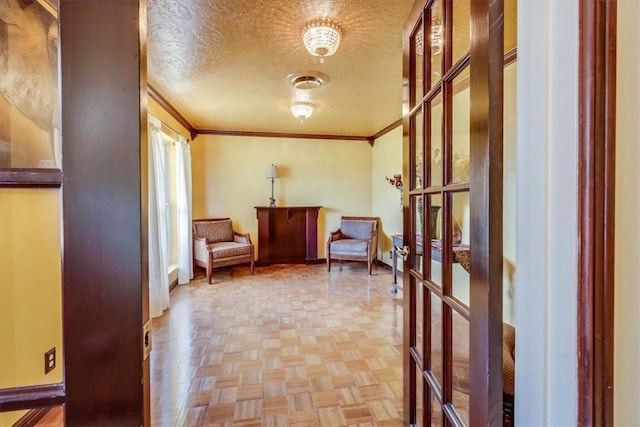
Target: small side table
436,254
396,242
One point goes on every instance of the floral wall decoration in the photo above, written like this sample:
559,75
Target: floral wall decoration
396,182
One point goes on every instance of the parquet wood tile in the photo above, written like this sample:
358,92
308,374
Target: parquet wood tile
292,345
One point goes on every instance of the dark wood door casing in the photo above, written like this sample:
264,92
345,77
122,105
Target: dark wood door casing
596,228
104,212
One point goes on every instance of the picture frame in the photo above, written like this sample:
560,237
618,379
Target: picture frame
29,94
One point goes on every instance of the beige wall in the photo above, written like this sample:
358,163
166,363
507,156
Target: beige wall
229,179
627,226
386,202
30,288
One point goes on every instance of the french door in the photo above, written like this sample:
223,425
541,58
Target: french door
453,68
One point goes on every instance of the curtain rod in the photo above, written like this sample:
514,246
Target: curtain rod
177,134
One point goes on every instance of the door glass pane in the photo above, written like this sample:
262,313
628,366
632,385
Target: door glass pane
461,124
510,33
436,41
461,29
436,140
420,393
509,193
436,412
436,338
435,227
460,366
418,224
420,318
417,53
418,136
460,240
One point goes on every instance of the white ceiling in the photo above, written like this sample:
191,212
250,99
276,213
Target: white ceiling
223,64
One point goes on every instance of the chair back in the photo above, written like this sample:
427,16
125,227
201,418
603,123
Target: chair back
358,228
214,231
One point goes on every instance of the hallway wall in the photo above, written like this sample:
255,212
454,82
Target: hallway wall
627,226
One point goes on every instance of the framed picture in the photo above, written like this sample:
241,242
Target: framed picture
29,94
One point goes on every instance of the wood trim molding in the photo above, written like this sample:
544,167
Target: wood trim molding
386,130
18,398
596,186
22,177
281,135
155,95
31,418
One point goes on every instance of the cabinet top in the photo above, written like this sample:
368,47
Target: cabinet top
288,207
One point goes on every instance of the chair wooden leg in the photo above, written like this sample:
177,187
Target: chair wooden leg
369,265
209,272
251,265
328,264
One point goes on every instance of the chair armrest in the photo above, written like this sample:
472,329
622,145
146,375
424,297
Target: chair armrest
242,238
334,235
200,248
199,239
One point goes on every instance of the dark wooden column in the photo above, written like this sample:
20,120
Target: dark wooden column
104,201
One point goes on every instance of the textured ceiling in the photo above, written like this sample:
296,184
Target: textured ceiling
223,63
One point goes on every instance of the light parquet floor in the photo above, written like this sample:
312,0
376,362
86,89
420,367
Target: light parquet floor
292,345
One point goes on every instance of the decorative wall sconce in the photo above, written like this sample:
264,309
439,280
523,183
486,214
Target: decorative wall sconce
272,173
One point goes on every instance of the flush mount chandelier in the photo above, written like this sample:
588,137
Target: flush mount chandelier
302,110
322,37
436,39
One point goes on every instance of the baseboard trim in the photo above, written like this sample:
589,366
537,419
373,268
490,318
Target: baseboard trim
382,264
31,418
173,285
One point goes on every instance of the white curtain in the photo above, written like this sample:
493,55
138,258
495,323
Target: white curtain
158,224
185,247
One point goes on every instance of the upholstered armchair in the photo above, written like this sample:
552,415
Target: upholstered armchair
216,244
355,240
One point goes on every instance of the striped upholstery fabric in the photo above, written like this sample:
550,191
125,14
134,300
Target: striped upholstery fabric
215,231
356,229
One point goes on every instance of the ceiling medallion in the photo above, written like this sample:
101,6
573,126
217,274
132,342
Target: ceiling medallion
321,37
302,110
307,80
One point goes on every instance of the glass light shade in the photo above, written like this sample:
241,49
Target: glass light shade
272,172
301,110
321,37
436,39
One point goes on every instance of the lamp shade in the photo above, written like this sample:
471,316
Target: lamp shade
272,172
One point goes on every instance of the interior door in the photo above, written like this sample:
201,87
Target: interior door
453,66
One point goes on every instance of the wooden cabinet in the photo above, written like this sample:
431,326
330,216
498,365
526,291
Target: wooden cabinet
287,234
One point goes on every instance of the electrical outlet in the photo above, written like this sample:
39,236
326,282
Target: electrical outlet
50,360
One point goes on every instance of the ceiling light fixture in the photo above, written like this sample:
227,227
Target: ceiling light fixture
302,110
436,34
321,37
307,80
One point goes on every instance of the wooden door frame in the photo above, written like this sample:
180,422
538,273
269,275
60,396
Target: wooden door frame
596,189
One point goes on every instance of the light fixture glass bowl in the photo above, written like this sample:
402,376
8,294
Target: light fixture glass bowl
321,37
302,110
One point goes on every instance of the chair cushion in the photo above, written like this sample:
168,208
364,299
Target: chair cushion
356,229
349,246
221,250
215,231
